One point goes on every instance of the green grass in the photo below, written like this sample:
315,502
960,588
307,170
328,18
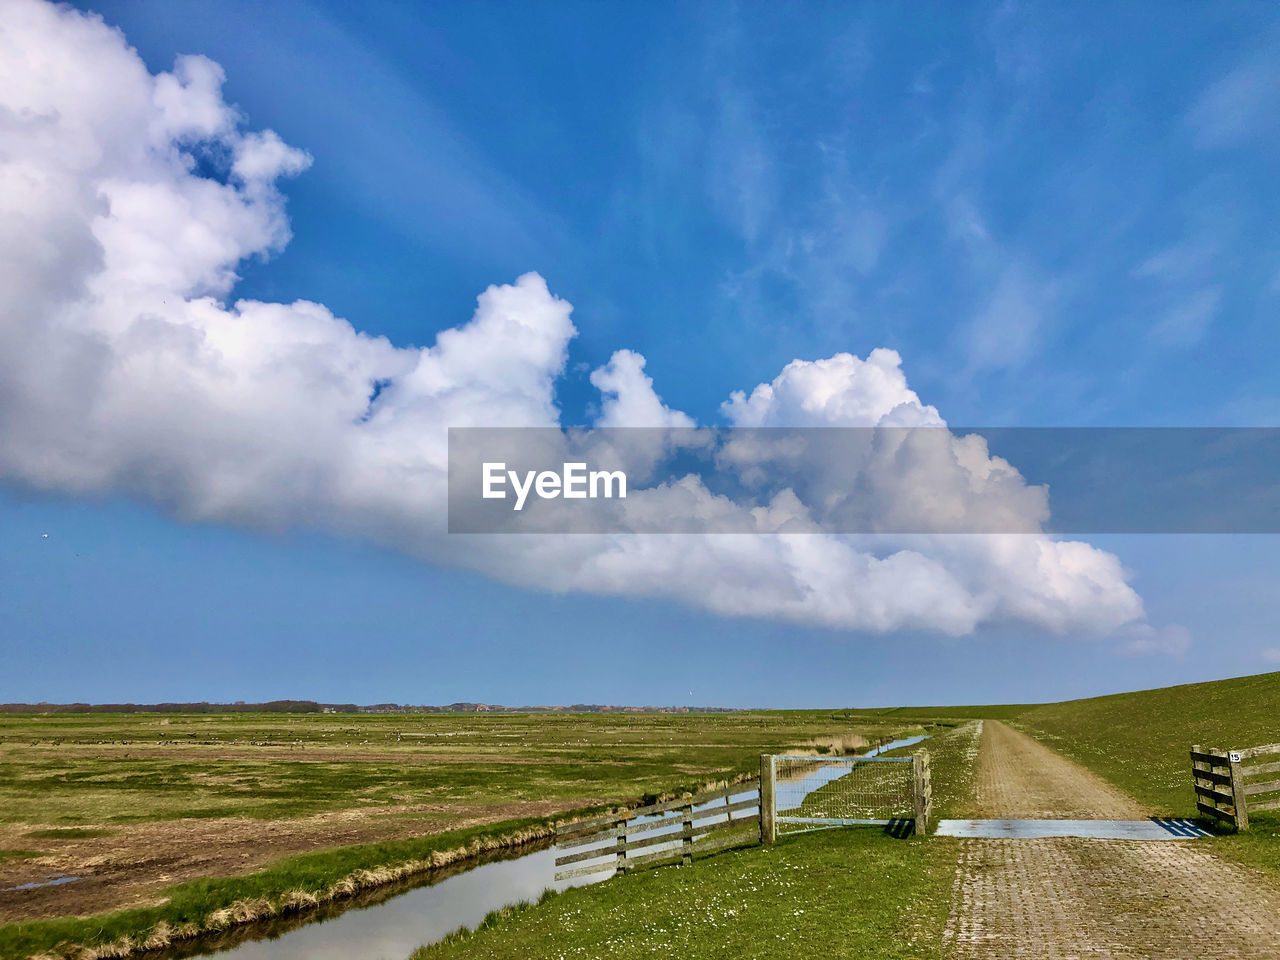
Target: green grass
907,715
1259,846
854,892
6,855
952,760
67,833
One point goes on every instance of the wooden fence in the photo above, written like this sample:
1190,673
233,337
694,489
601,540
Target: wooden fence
683,827
678,830
1226,783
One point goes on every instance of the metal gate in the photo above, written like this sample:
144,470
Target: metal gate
813,793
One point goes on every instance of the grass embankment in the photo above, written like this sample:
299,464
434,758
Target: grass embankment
854,892
953,755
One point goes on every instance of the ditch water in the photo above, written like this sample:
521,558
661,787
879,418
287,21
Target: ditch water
391,922
54,882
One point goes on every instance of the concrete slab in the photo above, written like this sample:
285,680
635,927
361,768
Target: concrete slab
1086,829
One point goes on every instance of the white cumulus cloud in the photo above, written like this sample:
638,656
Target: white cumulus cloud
127,201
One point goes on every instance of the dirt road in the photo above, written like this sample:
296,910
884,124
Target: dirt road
1020,778
1067,899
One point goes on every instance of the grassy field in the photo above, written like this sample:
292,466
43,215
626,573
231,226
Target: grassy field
953,752
184,815
304,802
99,770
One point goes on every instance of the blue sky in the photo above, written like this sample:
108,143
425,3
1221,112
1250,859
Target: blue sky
1056,216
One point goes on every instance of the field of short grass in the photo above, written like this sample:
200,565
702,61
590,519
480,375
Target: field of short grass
102,770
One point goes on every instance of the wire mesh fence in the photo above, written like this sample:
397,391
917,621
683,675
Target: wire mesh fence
814,792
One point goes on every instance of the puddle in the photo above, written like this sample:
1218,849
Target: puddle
54,882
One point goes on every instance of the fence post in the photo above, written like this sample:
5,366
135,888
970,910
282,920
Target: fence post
768,811
922,786
622,847
1237,792
686,848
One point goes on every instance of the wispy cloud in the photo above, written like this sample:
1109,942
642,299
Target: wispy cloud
1187,323
1144,640
1010,327
1242,105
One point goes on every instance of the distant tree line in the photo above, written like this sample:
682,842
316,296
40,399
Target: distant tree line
311,706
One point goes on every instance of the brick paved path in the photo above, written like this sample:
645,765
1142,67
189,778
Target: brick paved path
1069,899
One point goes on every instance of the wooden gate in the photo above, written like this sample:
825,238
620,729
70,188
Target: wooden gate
1228,785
